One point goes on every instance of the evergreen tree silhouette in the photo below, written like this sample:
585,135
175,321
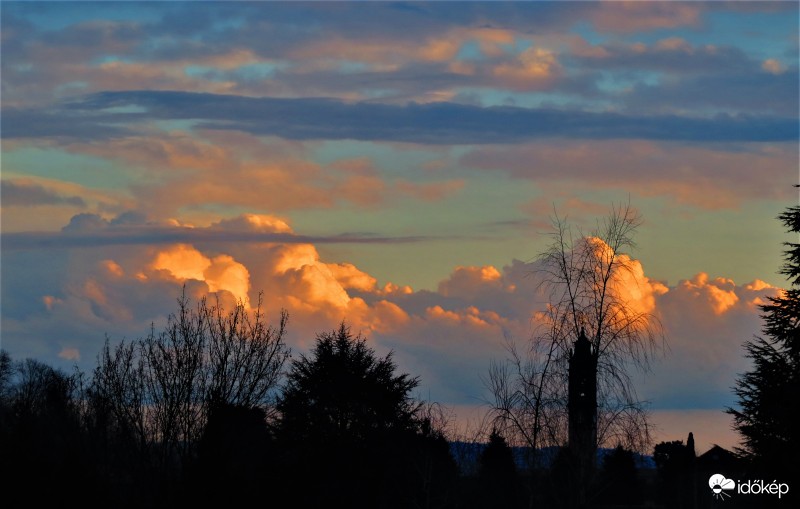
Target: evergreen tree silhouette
618,483
498,473
766,417
350,432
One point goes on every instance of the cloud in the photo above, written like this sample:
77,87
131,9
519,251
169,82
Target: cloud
534,69
92,230
596,110
253,222
70,354
436,123
773,66
708,177
24,193
375,52
729,91
707,319
446,336
671,54
470,281
31,203
175,171
630,285
219,273
631,16
719,294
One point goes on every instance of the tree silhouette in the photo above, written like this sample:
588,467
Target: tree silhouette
233,457
675,463
584,280
618,483
351,432
40,431
344,390
497,473
152,399
766,417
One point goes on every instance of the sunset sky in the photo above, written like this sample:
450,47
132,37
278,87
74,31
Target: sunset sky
395,165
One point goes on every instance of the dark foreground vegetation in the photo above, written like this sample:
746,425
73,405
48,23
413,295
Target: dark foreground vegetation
212,410
341,429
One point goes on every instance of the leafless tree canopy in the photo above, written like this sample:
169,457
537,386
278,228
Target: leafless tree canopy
586,279
159,391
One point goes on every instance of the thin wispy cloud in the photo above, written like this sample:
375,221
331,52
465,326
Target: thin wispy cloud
157,235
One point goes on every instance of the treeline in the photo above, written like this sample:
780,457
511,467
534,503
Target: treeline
212,409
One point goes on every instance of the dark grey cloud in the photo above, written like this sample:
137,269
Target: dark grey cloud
434,123
57,123
30,195
754,90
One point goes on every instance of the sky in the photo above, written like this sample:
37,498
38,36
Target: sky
397,166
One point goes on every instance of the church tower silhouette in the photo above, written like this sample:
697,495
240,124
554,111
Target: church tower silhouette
582,407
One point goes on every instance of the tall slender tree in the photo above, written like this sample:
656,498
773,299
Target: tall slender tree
766,416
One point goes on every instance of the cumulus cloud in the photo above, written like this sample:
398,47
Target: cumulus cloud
446,336
707,319
219,273
200,112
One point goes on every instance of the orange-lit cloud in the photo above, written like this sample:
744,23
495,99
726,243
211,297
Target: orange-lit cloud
469,281
719,294
70,354
388,54
244,171
629,283
773,66
533,69
220,272
262,223
446,336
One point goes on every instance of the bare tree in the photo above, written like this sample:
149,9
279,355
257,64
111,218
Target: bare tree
529,395
587,281
158,392
245,357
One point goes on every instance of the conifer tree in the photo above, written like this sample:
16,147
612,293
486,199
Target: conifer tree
767,395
